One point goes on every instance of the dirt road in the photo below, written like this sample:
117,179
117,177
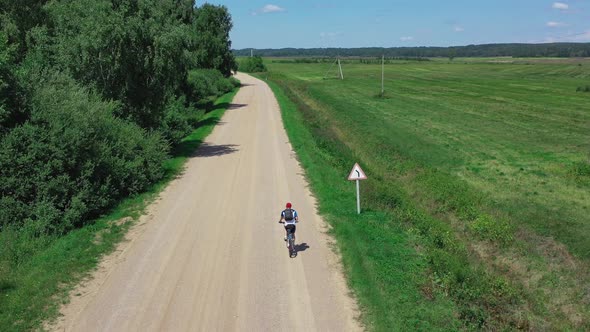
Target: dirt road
210,254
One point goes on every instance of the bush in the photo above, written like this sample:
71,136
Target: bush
179,120
205,83
72,160
583,88
252,65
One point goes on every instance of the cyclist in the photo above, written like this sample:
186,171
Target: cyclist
289,217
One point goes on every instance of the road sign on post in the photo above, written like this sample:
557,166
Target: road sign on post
357,174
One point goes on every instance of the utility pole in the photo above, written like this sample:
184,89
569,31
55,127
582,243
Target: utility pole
251,52
382,74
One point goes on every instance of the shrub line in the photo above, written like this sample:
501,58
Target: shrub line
32,292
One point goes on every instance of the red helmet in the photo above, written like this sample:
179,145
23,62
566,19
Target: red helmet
289,205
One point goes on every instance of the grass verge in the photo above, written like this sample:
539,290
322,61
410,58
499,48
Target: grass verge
32,291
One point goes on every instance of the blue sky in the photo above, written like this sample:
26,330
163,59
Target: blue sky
380,23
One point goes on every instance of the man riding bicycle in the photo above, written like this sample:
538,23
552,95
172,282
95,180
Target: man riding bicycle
289,217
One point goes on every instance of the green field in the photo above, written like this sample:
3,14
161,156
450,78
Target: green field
485,162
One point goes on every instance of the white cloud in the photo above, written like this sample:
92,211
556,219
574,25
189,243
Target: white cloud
408,38
268,9
329,34
553,24
457,28
272,9
560,6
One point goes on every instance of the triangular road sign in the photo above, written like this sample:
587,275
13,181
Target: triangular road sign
357,173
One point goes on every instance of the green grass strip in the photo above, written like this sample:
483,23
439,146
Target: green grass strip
33,292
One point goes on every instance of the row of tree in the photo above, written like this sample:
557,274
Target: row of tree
93,93
486,50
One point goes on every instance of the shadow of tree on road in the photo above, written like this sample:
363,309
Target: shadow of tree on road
211,106
234,106
209,150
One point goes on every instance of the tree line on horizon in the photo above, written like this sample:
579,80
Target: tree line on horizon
562,50
94,94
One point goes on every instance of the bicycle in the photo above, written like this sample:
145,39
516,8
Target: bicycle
290,241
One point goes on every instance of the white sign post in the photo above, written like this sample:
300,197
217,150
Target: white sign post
357,174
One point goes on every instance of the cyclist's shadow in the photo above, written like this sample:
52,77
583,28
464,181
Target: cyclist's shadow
301,247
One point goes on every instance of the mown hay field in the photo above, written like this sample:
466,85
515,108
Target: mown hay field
497,150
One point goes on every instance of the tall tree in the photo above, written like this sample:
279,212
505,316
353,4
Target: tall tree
213,24
12,110
131,50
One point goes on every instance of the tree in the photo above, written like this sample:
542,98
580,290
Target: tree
17,18
212,25
137,52
12,111
92,95
452,53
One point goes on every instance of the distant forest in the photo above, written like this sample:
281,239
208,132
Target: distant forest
564,50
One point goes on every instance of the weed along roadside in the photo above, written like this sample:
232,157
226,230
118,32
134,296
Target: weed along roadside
436,247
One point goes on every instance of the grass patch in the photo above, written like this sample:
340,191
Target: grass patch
31,291
489,228
581,169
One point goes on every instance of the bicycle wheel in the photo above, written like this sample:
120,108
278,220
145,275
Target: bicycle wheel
291,246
